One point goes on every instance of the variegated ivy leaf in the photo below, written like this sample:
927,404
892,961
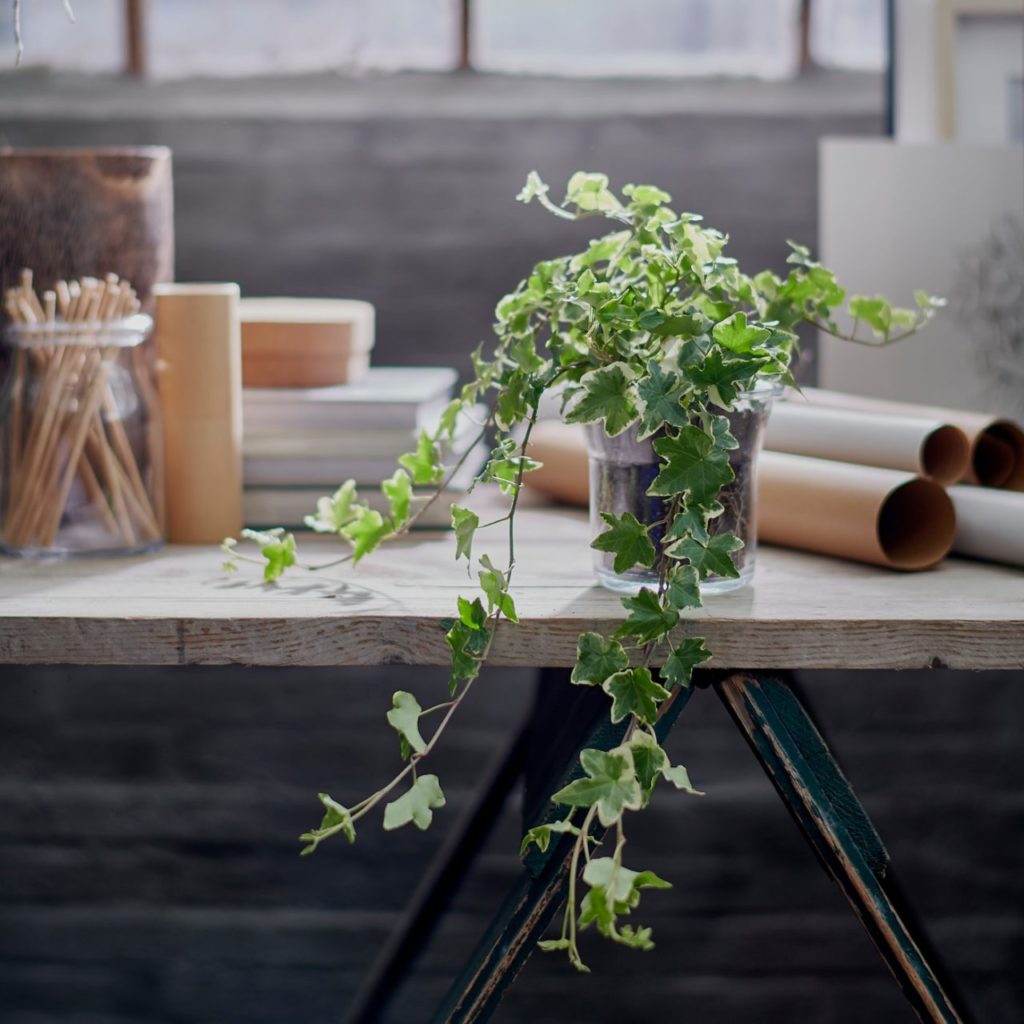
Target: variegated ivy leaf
464,523
610,785
648,619
684,658
692,464
417,805
712,557
424,464
336,819
540,835
398,490
635,693
659,396
335,512
607,397
404,718
627,538
597,659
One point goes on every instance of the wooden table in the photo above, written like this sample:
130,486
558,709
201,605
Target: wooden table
803,612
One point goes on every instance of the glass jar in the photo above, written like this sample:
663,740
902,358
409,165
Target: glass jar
79,440
623,467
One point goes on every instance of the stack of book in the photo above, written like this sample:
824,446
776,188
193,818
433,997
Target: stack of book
302,443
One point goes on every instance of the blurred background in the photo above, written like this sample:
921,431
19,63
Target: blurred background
372,149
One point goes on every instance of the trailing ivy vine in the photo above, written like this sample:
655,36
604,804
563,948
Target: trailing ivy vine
650,328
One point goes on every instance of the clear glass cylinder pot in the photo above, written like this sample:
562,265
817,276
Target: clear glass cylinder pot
623,467
79,440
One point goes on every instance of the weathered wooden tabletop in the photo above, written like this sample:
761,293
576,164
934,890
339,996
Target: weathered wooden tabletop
178,607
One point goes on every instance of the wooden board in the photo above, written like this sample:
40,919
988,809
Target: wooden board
804,611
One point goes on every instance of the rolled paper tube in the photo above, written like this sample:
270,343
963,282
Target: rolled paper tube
863,513
989,524
564,475
914,444
200,386
997,444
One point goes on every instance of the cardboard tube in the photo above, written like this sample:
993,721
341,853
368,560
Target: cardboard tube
989,524
914,444
859,512
997,445
200,383
565,473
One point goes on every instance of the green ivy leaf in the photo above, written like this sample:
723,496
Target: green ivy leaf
404,718
683,589
606,397
494,585
335,512
449,420
597,659
634,692
465,523
659,395
590,193
722,435
648,620
398,490
735,334
627,538
722,378
693,521
680,778
713,557
649,760
876,313
468,644
277,547
472,613
692,464
336,819
540,835
366,532
424,465
611,784
417,805
685,657
621,885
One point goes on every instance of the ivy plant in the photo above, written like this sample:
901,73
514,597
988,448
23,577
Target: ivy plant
651,328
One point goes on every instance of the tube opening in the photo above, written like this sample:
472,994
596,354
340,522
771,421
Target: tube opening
998,457
916,525
946,454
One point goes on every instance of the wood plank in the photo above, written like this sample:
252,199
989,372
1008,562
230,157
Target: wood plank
804,611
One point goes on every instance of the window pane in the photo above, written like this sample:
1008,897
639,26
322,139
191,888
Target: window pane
849,34
246,37
757,38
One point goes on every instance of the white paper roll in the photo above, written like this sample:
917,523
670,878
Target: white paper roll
914,444
989,524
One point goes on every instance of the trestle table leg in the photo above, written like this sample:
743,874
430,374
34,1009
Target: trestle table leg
801,766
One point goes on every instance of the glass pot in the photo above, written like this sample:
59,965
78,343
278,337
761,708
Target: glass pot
622,468
78,440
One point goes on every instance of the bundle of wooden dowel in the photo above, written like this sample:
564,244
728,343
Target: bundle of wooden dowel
63,422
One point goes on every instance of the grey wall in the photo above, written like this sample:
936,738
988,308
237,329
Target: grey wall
147,818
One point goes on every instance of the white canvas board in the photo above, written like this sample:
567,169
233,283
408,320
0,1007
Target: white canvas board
948,218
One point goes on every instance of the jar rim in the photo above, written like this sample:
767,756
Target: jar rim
125,333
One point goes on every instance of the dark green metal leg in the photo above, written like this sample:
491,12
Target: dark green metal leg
541,889
803,770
